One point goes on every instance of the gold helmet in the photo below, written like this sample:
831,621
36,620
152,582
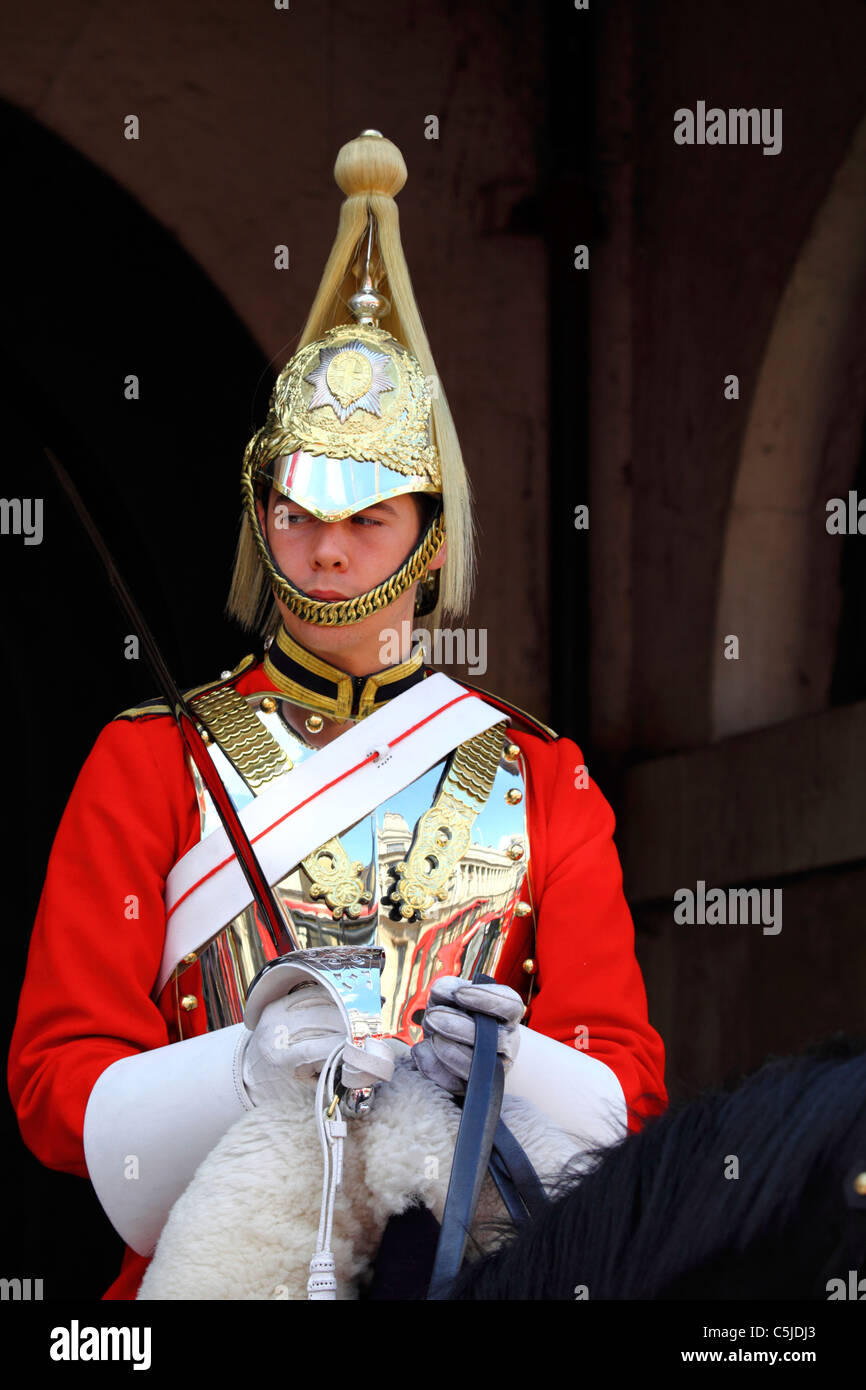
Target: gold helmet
359,415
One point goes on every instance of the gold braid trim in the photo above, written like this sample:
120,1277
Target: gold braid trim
337,706
242,736
473,767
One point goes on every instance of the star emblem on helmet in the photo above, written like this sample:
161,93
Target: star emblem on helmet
350,377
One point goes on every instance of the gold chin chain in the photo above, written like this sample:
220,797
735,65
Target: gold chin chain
444,833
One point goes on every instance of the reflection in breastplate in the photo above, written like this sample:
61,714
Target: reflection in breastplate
432,875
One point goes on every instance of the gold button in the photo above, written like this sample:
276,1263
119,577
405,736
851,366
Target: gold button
515,851
522,910
860,1184
205,736
529,967
513,796
314,723
512,752
269,704
189,1002
190,957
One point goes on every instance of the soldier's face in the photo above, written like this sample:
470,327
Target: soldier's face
340,559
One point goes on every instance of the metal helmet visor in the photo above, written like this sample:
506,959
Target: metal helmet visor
335,488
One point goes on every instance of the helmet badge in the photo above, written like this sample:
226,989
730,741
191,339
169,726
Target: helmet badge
350,377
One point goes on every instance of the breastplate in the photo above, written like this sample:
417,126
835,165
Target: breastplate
437,892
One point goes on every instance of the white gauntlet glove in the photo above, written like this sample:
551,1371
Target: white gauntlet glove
445,1055
292,1040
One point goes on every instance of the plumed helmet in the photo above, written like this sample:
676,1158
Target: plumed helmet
359,415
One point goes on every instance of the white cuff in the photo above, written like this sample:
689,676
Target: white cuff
578,1092
152,1118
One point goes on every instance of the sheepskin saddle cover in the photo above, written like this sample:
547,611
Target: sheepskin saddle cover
246,1226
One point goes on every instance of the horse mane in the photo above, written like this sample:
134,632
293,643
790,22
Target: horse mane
661,1215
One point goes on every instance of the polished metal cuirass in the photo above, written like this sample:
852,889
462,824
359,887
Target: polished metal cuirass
437,893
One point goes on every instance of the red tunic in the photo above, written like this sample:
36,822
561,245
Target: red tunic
98,938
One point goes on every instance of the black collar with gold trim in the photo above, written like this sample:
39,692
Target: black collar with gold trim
309,681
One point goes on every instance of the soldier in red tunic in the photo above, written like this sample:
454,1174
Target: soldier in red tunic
388,804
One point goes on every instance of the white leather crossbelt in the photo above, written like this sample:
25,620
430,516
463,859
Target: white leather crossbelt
322,797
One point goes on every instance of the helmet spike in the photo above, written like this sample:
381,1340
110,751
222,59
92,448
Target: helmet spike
367,304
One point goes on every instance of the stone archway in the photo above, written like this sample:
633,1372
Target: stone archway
775,554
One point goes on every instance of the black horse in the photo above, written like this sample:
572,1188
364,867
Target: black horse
753,1192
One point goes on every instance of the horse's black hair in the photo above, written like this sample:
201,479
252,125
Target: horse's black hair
662,1216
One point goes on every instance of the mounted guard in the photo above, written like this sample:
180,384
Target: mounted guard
422,856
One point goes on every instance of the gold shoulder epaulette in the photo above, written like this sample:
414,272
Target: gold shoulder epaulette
519,718
152,709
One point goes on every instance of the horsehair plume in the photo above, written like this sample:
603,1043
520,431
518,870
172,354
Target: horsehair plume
370,170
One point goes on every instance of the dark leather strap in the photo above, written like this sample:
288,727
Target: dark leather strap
516,1180
513,1158
507,1190
471,1153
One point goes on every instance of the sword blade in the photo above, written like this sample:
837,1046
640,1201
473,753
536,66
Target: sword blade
263,894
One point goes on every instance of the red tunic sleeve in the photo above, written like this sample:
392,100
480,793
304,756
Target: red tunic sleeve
98,937
588,976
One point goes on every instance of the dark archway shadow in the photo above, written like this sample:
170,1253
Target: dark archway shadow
95,289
